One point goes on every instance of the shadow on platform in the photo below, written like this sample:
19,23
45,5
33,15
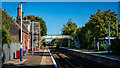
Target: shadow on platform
21,66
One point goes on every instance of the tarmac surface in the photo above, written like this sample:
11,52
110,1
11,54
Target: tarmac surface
39,59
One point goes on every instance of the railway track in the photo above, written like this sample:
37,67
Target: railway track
72,59
64,61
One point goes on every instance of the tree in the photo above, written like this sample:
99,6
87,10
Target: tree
68,29
98,27
115,47
42,23
5,35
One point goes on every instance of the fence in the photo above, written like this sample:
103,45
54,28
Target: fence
9,51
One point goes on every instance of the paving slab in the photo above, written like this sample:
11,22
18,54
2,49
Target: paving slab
46,60
14,63
40,59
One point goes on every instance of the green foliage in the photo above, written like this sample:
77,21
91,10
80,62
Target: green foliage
5,35
98,27
103,47
6,22
68,29
42,23
115,47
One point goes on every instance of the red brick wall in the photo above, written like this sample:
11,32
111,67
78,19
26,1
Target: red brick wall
29,42
25,41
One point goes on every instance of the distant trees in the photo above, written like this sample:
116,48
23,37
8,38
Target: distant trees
68,29
96,27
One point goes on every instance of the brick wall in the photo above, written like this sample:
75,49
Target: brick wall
14,33
29,42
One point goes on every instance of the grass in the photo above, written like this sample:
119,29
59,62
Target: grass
102,52
69,47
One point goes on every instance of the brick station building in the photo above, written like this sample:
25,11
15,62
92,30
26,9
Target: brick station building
15,30
27,31
26,35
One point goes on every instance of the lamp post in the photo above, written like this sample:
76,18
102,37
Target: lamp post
39,36
94,43
108,37
32,36
21,34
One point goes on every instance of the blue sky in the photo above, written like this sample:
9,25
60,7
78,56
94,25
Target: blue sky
55,14
60,0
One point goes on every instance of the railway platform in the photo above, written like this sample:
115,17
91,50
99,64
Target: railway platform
42,58
94,58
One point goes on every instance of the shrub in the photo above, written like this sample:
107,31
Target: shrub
115,46
103,47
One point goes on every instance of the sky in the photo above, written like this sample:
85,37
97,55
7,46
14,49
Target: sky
60,0
56,14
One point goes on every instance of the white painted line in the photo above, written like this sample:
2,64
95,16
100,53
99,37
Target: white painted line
53,59
105,57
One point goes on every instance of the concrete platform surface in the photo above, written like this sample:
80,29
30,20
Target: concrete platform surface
39,59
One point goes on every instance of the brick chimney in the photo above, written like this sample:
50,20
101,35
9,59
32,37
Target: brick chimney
22,14
18,12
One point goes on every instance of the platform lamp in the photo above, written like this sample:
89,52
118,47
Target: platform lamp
21,34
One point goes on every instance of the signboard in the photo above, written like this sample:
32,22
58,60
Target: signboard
110,37
107,38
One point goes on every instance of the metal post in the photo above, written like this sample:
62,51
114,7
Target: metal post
68,43
32,35
106,45
109,37
117,28
94,43
39,37
21,36
28,42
